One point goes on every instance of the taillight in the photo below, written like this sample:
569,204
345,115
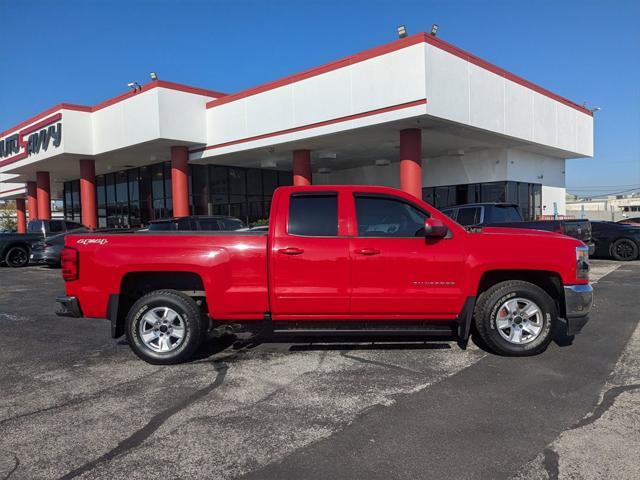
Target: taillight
69,263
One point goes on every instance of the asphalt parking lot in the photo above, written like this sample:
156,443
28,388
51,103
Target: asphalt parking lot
76,404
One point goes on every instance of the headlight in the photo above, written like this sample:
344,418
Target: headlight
582,262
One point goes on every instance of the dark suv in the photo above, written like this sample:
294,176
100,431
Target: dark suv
508,215
207,223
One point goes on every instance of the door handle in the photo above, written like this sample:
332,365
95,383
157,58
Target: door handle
367,251
291,251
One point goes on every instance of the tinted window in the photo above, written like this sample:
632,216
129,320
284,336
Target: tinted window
469,216
209,224
231,223
163,226
56,226
505,214
313,215
73,225
35,226
388,217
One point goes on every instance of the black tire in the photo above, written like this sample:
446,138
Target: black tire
191,316
624,250
486,311
17,257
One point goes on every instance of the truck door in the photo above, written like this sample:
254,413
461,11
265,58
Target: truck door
396,271
309,263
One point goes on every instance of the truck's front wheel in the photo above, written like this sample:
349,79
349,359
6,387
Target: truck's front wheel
515,318
165,327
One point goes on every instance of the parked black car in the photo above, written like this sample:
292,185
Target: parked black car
15,248
631,221
617,240
48,251
198,222
508,215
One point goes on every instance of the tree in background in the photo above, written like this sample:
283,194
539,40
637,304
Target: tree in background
8,215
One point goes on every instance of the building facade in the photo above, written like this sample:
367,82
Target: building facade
417,114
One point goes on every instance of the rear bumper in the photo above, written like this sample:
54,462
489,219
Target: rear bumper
68,307
578,300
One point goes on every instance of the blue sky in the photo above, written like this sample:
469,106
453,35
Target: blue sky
86,51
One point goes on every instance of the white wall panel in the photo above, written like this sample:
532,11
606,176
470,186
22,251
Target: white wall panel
486,99
544,120
481,166
388,80
518,111
584,134
126,123
566,125
77,132
269,111
182,115
322,97
531,167
551,195
447,85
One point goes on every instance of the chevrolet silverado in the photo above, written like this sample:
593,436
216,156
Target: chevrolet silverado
336,260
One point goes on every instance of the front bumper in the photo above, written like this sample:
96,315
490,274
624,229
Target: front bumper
577,300
69,307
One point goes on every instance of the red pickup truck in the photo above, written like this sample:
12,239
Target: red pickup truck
336,260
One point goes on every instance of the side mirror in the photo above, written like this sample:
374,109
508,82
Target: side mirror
434,228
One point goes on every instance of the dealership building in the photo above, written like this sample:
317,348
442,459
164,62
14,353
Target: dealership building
418,114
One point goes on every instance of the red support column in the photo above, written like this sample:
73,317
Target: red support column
180,181
44,195
32,200
22,215
88,193
411,161
301,168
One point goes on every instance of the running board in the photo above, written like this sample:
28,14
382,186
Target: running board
364,328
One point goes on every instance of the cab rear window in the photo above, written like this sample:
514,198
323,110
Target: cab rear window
313,215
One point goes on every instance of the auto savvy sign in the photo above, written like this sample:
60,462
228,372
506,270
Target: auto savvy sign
31,140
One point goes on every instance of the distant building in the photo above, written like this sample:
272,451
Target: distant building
612,207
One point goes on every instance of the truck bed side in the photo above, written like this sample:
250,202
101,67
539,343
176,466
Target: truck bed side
230,266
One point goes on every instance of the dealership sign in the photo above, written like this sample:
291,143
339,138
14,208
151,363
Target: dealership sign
31,140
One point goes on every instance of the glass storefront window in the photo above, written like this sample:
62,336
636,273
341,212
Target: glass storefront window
528,196
132,198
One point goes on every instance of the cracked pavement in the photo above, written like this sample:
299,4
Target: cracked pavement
76,404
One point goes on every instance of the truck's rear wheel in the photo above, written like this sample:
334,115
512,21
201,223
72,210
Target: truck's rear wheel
515,318
165,327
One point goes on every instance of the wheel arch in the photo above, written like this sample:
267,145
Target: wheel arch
137,284
549,281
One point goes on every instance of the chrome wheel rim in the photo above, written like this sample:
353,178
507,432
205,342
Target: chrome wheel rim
519,321
162,329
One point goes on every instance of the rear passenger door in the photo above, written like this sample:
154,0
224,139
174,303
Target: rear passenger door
309,263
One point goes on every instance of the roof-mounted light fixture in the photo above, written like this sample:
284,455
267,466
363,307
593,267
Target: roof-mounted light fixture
154,76
434,29
134,85
402,31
